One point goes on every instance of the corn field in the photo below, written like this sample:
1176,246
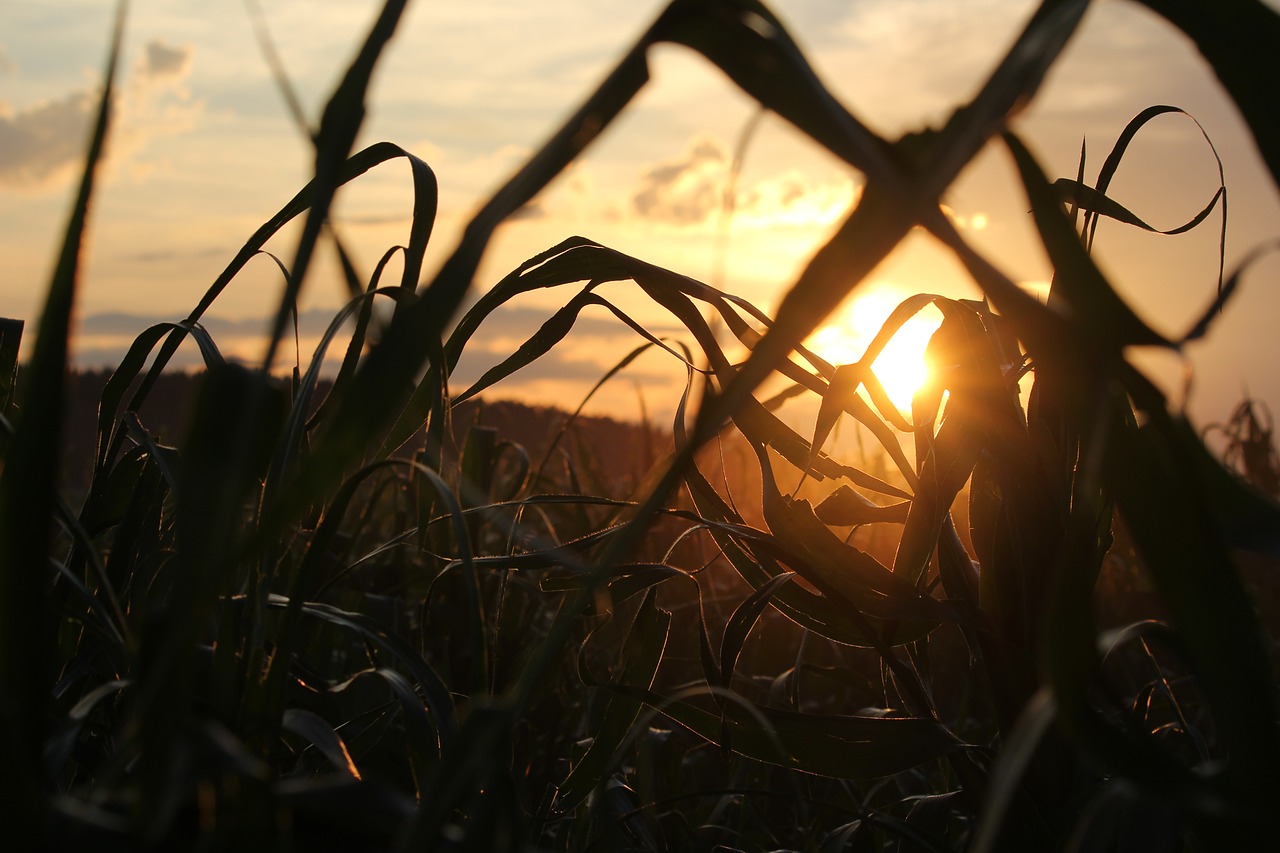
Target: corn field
1044,626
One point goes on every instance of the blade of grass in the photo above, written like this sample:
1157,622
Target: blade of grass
343,115
642,653
315,729
10,340
1238,38
27,500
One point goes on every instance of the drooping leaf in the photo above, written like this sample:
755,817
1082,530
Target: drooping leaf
343,116
839,569
847,378
57,750
1238,40
1084,197
1097,311
322,736
623,582
10,339
846,507
641,654
437,696
744,618
1186,549
839,746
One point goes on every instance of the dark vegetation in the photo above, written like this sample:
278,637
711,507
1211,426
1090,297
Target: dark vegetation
613,454
1047,632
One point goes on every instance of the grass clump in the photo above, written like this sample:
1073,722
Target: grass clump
275,633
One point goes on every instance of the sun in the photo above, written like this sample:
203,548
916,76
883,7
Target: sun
900,366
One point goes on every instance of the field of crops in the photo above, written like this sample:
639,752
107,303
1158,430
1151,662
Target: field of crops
325,616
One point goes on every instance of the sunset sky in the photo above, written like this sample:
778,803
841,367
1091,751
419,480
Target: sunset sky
203,151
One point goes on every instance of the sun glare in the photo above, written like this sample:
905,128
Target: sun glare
900,367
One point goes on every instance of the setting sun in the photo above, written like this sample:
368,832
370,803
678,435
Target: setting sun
900,366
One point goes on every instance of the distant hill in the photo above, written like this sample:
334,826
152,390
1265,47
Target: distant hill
607,453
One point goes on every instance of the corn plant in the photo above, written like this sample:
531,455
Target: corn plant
281,630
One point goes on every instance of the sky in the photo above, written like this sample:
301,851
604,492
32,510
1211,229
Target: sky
203,151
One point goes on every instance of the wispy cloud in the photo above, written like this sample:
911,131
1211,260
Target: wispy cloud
938,51
795,200
163,60
156,103
596,343
41,144
169,255
687,189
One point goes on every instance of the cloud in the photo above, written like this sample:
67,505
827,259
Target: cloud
101,340
795,200
44,143
41,143
475,166
155,103
164,256
508,327
930,56
312,322
561,364
163,60
686,190
596,343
